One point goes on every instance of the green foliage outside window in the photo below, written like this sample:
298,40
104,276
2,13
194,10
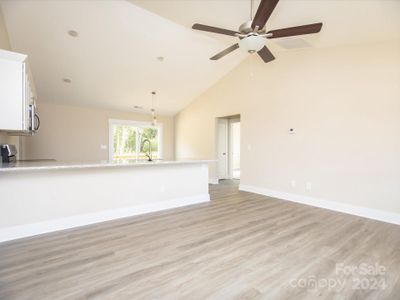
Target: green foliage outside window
128,141
151,135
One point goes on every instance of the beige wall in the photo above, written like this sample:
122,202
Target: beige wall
344,104
73,133
4,40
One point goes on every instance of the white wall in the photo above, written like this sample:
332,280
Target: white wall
75,133
344,104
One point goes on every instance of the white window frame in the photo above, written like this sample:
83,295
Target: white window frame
112,122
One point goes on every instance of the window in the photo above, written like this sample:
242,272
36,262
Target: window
126,139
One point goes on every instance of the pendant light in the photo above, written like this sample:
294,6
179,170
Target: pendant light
153,110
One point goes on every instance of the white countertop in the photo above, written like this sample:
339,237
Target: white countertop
55,165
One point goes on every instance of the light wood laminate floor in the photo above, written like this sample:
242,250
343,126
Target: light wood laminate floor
238,246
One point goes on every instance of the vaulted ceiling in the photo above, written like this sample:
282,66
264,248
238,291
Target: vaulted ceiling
113,60
345,21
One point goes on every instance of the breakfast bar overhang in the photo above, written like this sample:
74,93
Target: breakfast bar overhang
43,197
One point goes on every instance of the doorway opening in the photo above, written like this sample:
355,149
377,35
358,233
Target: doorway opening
228,147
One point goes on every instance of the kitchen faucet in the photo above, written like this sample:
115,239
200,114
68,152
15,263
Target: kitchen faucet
149,153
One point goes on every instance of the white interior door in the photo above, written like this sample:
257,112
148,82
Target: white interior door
234,148
223,149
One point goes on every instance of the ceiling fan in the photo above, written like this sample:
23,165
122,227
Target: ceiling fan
252,34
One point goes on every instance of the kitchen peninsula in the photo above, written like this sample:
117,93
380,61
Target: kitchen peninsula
40,197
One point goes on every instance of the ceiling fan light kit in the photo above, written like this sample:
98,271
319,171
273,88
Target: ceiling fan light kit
252,43
252,34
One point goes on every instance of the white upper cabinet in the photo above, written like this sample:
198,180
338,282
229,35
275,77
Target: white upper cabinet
17,94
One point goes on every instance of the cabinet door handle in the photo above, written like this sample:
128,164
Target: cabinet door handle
37,122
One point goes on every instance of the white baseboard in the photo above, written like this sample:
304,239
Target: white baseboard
213,181
360,211
20,231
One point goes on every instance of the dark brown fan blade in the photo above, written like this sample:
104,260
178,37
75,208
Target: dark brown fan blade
263,13
214,29
266,55
225,52
298,30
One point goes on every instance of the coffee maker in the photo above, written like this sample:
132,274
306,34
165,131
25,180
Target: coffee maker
8,153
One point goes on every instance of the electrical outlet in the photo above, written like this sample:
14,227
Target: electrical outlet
103,147
308,186
248,147
293,183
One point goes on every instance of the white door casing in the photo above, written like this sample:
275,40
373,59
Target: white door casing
222,149
234,148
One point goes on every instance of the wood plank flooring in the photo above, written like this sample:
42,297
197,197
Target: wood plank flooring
238,246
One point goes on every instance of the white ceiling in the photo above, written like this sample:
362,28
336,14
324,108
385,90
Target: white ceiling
113,61
345,21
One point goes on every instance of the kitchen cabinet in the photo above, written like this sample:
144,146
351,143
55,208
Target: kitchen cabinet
17,95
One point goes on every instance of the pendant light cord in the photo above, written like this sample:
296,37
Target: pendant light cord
251,10
153,109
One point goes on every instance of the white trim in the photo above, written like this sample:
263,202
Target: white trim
360,211
223,121
213,181
230,148
16,232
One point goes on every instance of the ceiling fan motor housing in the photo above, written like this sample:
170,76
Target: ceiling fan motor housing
246,28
